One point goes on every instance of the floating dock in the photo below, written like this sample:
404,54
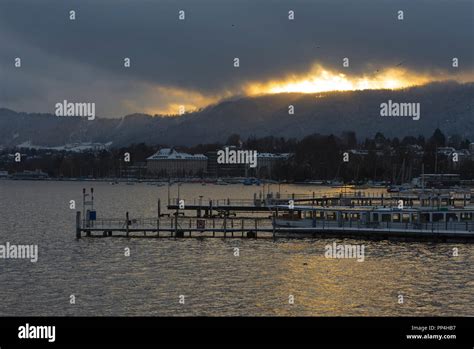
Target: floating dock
219,219
191,227
351,199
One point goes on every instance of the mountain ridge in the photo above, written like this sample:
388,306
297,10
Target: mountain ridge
447,105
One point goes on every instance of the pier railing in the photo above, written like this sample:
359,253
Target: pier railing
467,226
178,223
230,224
348,198
181,226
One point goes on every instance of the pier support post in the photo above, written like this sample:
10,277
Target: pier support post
127,222
176,222
273,224
225,226
78,224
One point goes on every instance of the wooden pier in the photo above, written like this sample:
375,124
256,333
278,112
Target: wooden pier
220,219
175,227
352,199
192,227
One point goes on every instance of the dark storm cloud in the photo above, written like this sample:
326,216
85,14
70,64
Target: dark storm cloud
197,54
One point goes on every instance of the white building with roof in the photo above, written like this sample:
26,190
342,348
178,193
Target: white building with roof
171,163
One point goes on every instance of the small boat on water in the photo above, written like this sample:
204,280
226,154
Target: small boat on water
398,188
158,184
393,189
311,182
362,186
251,181
377,184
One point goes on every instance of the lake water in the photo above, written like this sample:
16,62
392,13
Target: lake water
214,282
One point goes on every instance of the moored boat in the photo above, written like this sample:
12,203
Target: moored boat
370,217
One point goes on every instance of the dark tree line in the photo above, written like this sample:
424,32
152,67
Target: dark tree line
314,157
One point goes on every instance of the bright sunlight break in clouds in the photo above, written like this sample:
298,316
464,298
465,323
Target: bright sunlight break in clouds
189,62
318,79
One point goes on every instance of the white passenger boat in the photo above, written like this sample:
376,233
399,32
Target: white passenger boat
370,217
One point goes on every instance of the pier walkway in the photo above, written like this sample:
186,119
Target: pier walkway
263,227
351,199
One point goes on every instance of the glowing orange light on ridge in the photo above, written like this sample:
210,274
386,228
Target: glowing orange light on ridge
323,80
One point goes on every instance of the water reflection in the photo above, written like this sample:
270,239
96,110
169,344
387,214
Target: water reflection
213,280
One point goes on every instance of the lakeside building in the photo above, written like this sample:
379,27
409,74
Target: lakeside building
69,147
437,180
449,152
446,151
364,152
168,162
361,152
37,174
416,150
137,170
266,163
463,154
215,169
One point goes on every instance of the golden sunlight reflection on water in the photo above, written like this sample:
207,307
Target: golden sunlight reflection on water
259,282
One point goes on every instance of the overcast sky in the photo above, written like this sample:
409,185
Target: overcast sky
191,61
